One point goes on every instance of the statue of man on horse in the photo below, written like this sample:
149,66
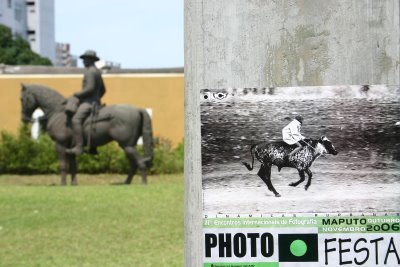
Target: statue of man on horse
122,123
88,98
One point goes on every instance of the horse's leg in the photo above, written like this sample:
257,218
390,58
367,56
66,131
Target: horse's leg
136,162
62,158
302,178
265,174
132,169
309,173
72,168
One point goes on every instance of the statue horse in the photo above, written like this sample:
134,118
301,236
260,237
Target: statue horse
122,123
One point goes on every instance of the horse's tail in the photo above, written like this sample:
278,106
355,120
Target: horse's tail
250,168
147,135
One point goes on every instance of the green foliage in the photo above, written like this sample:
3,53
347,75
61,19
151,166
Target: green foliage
166,159
110,159
17,51
20,154
5,36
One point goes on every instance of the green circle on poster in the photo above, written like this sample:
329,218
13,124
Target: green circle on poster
298,248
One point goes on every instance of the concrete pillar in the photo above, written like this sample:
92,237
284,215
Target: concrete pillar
262,43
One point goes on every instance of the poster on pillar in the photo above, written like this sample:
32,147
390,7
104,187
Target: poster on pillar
301,176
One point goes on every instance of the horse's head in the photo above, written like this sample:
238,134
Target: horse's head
28,104
330,149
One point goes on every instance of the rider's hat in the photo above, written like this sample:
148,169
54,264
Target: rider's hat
90,54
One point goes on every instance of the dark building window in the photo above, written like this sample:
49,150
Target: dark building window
9,3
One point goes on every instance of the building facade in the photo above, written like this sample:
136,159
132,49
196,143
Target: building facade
64,58
41,27
13,15
34,21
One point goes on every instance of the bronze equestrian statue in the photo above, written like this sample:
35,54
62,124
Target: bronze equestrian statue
89,98
122,123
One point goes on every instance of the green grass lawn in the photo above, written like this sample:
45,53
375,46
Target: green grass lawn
93,224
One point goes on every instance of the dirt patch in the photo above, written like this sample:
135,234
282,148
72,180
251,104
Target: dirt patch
230,188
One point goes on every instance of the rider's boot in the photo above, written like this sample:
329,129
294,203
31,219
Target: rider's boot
78,137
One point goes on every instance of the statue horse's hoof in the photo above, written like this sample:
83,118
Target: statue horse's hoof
292,184
278,195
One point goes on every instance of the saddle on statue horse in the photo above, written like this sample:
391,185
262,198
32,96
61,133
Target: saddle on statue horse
72,105
89,124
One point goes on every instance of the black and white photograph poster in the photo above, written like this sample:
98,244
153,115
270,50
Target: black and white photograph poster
321,161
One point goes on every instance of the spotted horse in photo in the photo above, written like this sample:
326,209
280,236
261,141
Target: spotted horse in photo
277,153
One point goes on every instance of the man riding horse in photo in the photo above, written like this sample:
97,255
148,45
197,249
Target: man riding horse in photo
89,98
291,134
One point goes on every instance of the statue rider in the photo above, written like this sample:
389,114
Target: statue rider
92,90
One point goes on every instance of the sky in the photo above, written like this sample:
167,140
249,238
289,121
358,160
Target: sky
134,33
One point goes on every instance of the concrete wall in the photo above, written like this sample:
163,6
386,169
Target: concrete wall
163,93
260,43
296,42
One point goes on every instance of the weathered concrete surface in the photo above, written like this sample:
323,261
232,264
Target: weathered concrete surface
295,42
262,43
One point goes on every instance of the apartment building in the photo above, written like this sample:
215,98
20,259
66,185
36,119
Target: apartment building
34,21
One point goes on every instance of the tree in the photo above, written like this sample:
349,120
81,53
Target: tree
17,51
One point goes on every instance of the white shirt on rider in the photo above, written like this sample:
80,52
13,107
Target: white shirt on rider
291,132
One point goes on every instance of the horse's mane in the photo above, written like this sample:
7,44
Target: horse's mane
45,92
49,98
311,141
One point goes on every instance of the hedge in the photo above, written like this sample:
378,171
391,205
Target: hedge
20,154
